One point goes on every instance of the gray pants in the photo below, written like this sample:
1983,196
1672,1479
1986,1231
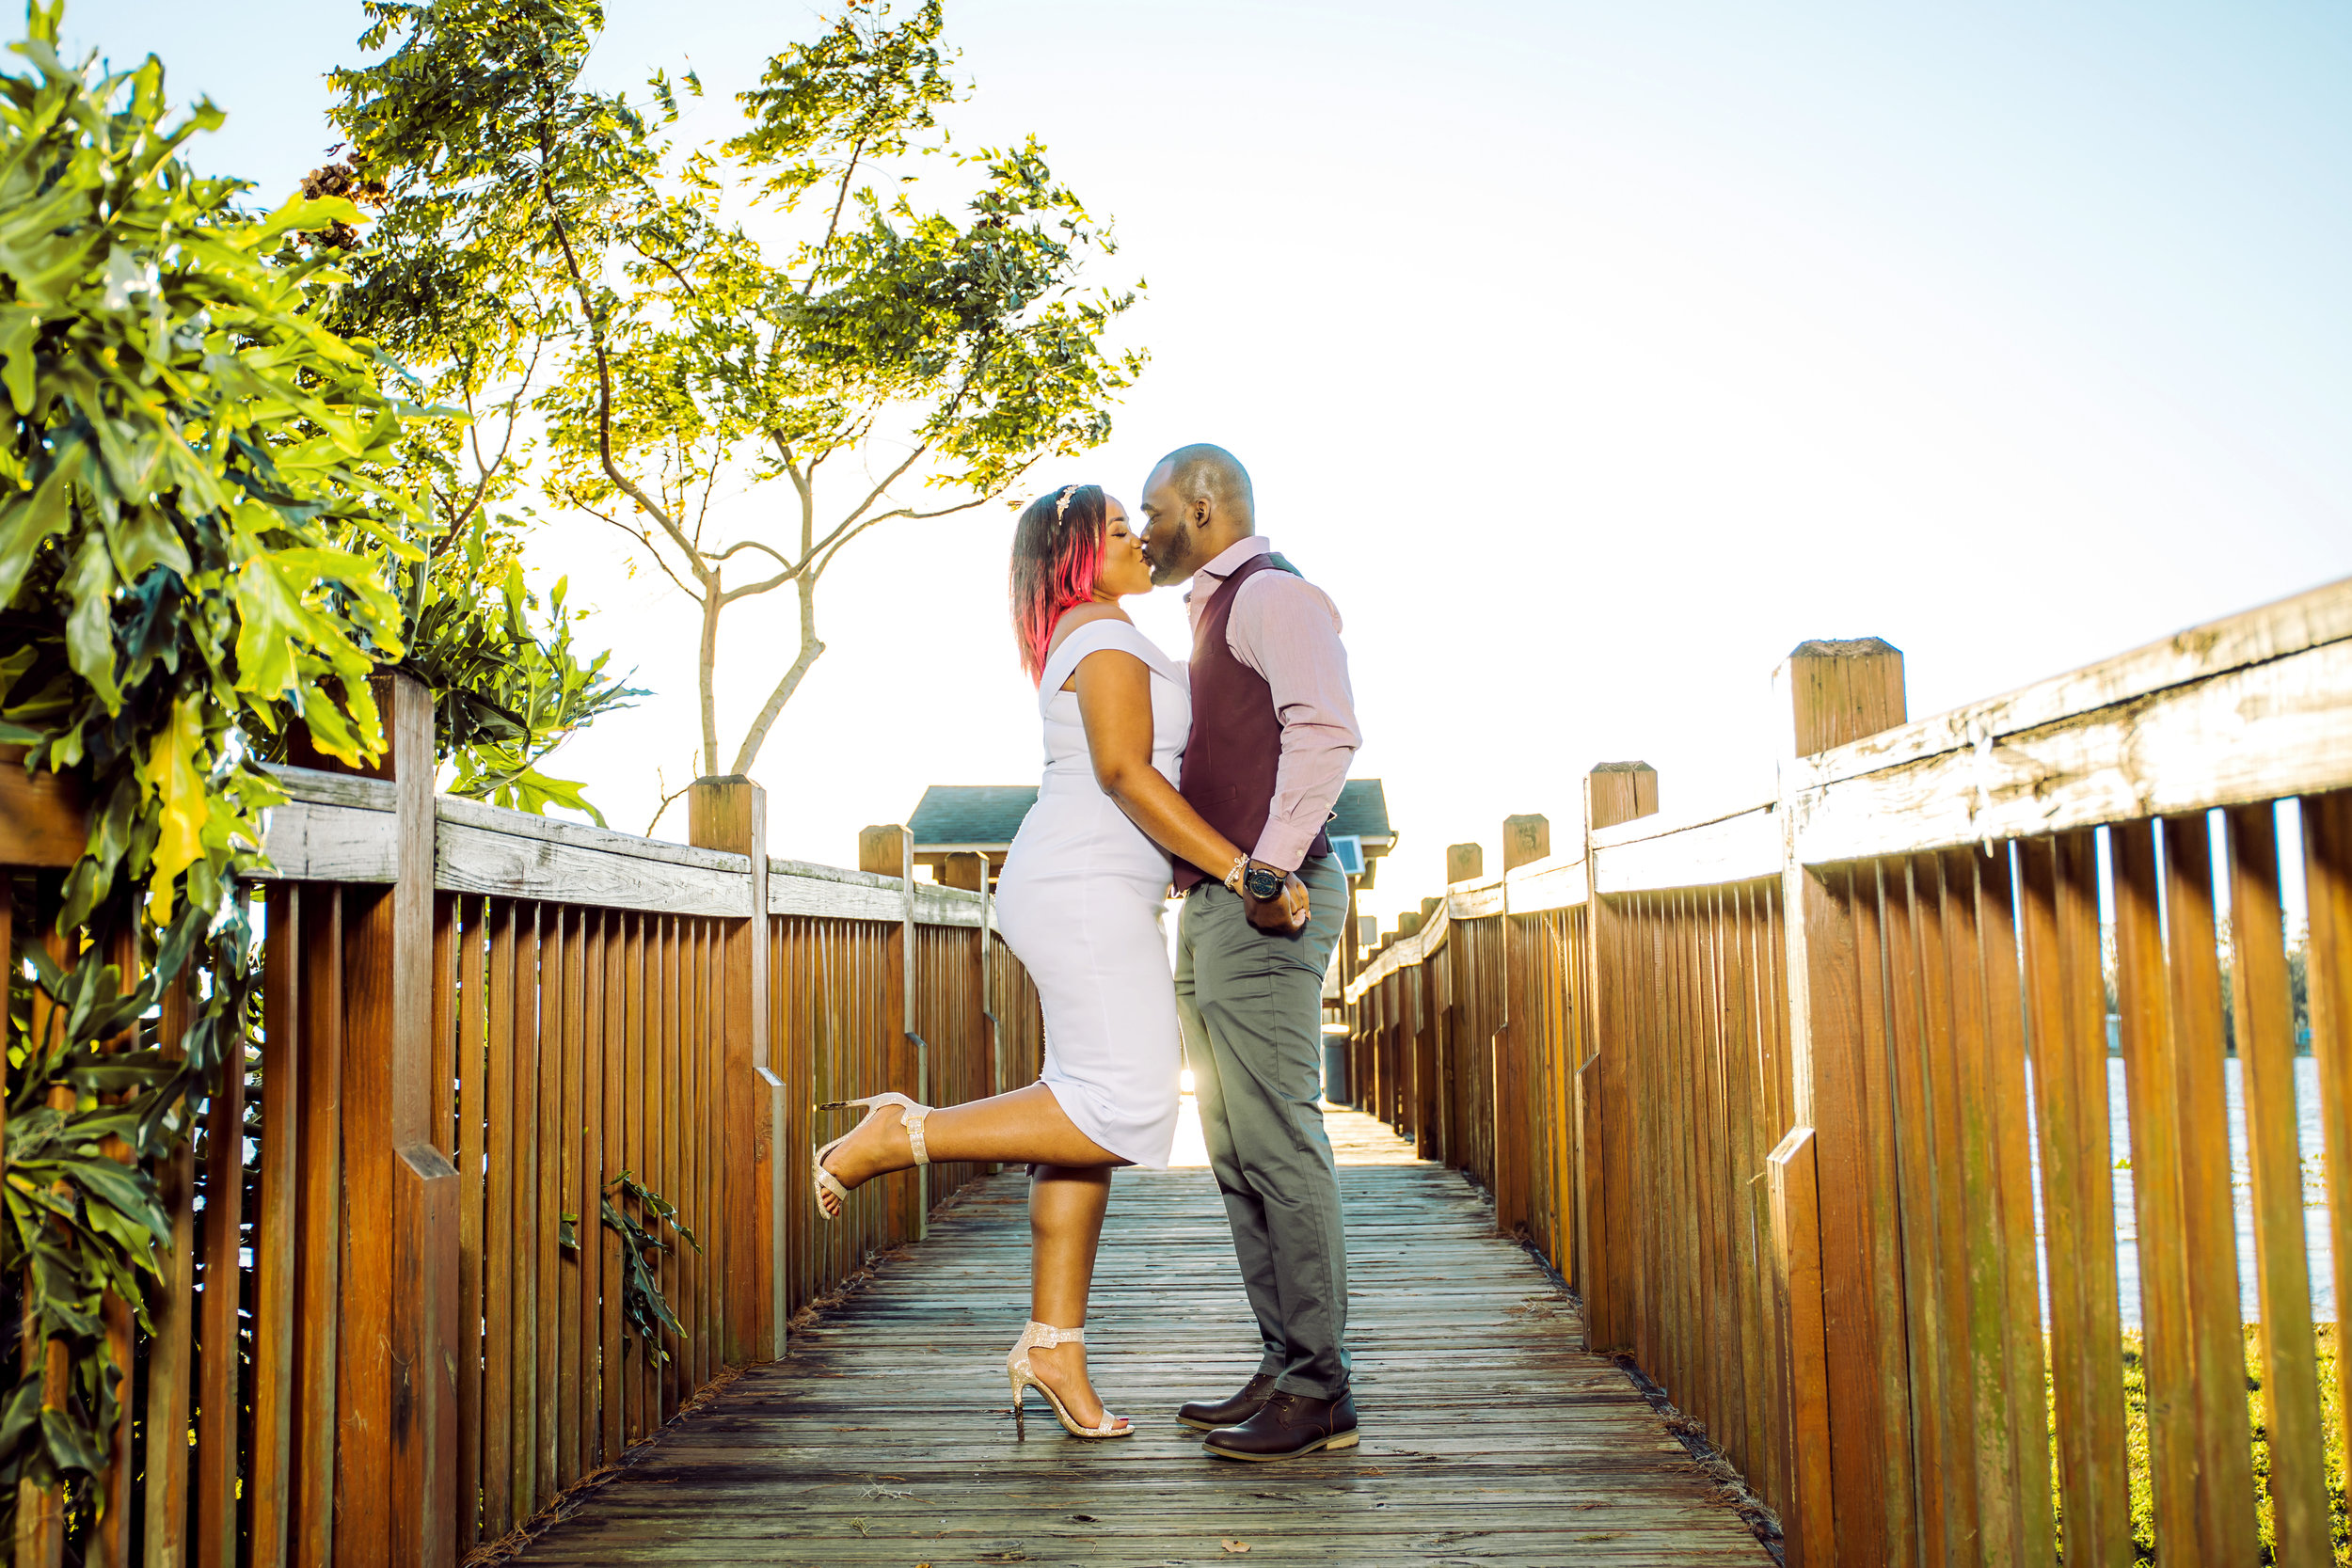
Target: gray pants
1250,1005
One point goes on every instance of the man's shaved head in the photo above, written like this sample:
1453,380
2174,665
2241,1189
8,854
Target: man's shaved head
1204,472
1196,505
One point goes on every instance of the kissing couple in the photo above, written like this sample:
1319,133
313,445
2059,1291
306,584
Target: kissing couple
1219,779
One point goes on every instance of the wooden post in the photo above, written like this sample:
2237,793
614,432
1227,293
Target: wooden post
967,869
1464,863
1615,792
731,813
397,1469
880,849
1838,692
1525,839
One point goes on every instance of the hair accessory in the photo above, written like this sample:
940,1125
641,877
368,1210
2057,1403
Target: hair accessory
1061,502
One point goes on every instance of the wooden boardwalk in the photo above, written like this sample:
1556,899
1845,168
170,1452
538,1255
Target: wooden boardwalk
1491,1437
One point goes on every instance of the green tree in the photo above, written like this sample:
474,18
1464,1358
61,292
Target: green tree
537,229
194,499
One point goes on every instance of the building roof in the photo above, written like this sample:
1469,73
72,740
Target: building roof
1362,809
970,816
985,817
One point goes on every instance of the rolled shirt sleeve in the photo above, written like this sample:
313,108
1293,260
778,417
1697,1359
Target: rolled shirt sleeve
1288,631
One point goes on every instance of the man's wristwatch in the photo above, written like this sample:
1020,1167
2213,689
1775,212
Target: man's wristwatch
1262,883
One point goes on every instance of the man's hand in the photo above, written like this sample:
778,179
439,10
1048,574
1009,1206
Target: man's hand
1285,912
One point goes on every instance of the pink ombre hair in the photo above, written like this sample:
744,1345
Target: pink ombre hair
1056,557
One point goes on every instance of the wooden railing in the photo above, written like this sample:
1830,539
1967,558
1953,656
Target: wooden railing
1777,1091
374,1344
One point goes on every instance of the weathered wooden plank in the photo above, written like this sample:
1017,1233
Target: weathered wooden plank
2275,631
1645,854
2245,736
315,786
801,887
886,1437
332,841
455,811
470,858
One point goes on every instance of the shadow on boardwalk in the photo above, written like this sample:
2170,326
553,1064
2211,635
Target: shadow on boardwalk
1491,1437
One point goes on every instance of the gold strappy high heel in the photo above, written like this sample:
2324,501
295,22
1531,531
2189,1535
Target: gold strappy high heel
830,1195
1024,1377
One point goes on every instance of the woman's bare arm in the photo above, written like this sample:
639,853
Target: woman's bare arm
1115,704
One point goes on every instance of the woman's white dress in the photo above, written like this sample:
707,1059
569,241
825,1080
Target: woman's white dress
1079,902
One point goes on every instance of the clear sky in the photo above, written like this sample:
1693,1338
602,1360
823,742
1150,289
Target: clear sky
1591,355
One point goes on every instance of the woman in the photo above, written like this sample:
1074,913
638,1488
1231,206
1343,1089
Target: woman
1078,903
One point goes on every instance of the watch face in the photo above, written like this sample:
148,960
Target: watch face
1262,884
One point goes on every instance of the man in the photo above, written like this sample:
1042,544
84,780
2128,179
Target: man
1273,730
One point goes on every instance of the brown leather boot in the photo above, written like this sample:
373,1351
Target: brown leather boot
1289,1425
1204,1416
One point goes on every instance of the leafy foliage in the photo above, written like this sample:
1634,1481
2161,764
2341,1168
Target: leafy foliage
547,242
643,1305
194,505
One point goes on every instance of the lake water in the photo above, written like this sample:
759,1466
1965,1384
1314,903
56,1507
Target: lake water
2315,1195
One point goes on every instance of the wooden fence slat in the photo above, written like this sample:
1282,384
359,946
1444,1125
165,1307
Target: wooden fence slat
619,950
499,1513
2012,1196
277,1230
1796,1277
2217,1342
473,1125
645,1020
554,1027
2265,1049
171,1307
523,1259
588,1299
2327,887
217,1466
2067,1008
319,1288
2144,1005
566,1202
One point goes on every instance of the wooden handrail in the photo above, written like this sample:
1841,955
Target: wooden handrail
1787,1091
475,1020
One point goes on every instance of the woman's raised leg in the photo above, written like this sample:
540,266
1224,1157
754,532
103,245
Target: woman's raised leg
1024,1128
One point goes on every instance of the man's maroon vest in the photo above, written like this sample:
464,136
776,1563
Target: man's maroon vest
1236,741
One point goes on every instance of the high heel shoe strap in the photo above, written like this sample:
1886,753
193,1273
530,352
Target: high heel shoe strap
913,1116
1045,1336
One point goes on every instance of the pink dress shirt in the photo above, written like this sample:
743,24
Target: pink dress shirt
1287,631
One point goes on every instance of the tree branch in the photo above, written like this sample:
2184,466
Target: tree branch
642,537
833,226
811,650
604,364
